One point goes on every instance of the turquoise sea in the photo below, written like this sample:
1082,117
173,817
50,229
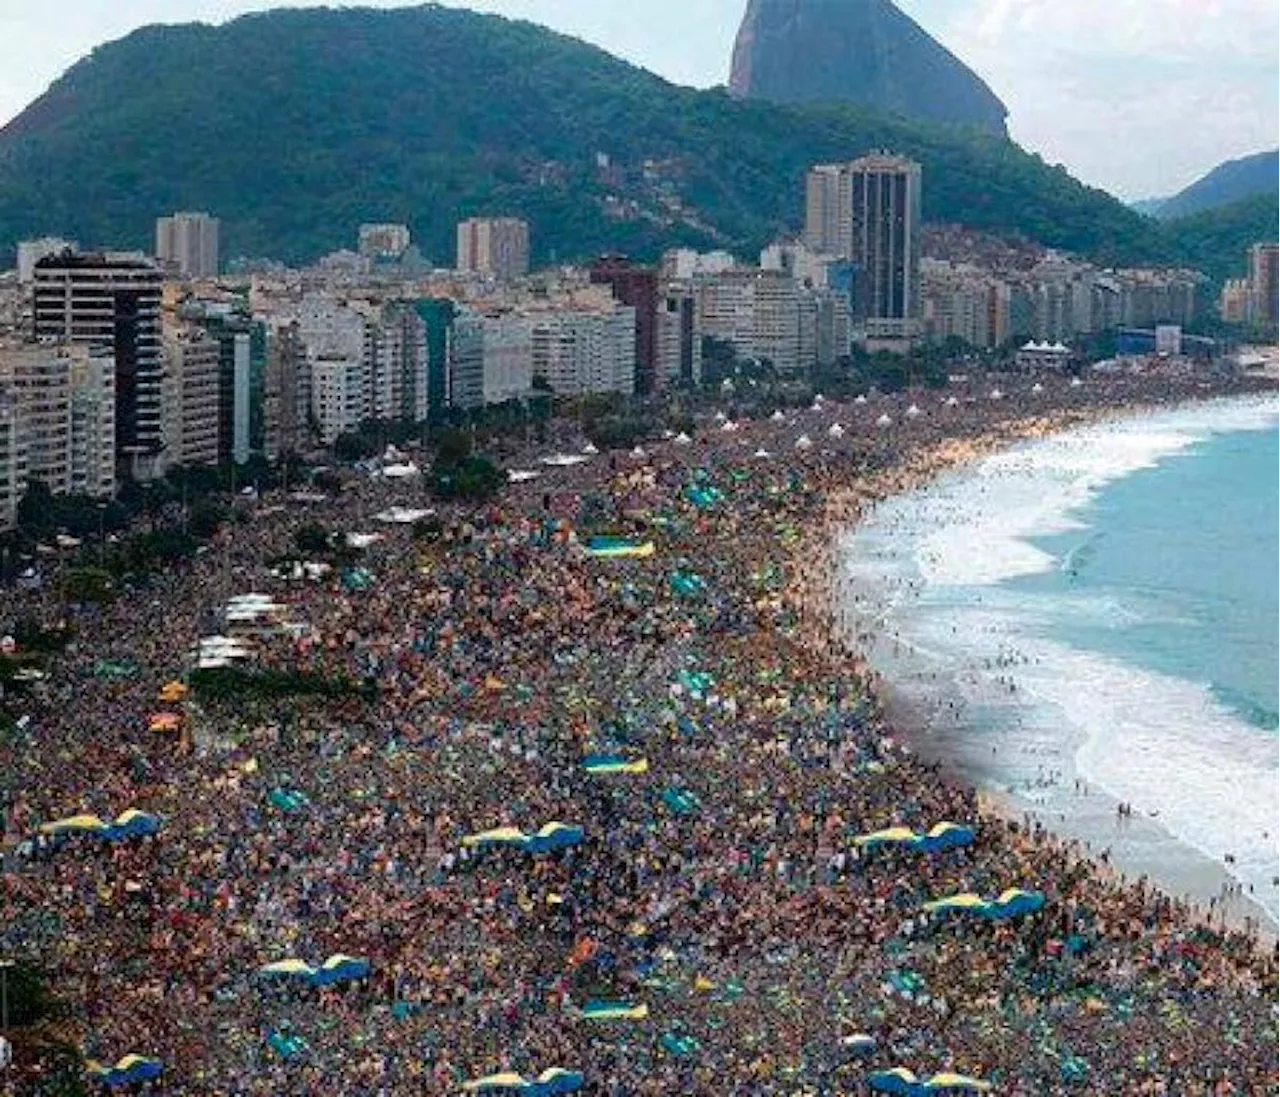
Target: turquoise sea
1098,611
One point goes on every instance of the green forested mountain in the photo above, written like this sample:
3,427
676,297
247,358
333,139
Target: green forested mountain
293,126
1216,241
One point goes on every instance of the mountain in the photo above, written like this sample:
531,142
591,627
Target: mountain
1148,207
294,126
1228,183
1215,240
857,51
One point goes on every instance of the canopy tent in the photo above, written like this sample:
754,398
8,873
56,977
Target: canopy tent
902,1082
1009,904
942,836
553,836
129,1071
550,1083
128,824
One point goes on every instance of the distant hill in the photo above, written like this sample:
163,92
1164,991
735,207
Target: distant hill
293,126
1148,207
1215,241
1229,182
857,51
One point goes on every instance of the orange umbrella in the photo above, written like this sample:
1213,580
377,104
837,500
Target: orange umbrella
164,721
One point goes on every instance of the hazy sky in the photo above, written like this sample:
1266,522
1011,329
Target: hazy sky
1137,96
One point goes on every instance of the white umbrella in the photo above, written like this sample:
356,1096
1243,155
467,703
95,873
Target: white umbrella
884,421
803,442
836,430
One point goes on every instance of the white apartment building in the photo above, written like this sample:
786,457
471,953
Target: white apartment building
63,400
40,379
677,338
578,352
763,314
93,422
192,368
466,360
188,244
336,395
508,357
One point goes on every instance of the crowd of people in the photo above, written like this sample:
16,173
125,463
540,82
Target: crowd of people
717,884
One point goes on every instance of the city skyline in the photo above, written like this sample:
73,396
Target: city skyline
1109,99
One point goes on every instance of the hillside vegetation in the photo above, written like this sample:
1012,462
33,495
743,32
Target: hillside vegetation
293,126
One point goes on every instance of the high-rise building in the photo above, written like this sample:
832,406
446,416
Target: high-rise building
112,300
93,421
828,210
762,313
40,376
585,351
336,395
286,393
885,194
637,287
494,245
1263,284
187,243
192,366
678,351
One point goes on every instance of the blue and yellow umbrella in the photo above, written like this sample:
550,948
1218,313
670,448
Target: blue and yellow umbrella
619,547
338,968
128,824
550,1083
903,1083
607,1009
943,836
129,1071
1010,903
551,837
605,764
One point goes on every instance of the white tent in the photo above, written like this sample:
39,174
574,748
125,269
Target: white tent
835,430
683,439
884,421
402,516
401,472
564,460
913,411
860,399
804,442
519,476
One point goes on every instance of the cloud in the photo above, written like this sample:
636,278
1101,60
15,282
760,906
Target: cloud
1137,96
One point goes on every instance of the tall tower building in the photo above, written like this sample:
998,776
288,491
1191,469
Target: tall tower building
112,300
494,245
188,242
828,211
885,199
1263,285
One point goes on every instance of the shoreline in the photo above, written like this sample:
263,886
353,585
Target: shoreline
1117,856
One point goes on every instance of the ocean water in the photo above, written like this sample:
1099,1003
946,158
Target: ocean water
1097,612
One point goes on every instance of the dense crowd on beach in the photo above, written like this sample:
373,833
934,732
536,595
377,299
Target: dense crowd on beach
718,884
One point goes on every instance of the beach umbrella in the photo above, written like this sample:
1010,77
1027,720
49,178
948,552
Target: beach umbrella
835,430
913,411
639,453
884,421
129,1071
721,417
804,442
607,1009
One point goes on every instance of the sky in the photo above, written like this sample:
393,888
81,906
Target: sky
1139,97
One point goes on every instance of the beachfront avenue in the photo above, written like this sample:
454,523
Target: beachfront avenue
579,790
